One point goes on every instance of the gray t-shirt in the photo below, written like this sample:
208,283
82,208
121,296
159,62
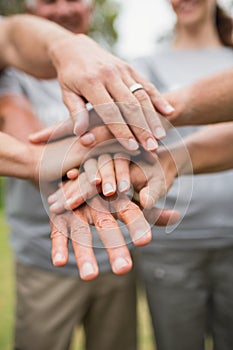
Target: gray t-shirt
206,201
26,215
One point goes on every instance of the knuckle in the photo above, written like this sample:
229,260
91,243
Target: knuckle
57,233
103,221
132,108
109,70
126,209
91,78
104,158
150,88
142,96
108,110
79,231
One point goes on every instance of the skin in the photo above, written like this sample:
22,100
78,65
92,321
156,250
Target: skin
73,153
98,213
45,61
209,100
194,20
57,158
75,16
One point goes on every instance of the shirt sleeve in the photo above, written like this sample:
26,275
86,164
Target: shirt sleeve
9,84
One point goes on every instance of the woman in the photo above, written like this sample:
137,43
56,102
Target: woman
188,274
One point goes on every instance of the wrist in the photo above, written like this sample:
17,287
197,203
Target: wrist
34,154
58,50
175,160
181,100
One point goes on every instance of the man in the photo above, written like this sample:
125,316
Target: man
106,306
46,61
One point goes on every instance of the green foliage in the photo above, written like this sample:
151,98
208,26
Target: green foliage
102,30
11,7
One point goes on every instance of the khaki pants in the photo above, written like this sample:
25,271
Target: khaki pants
49,306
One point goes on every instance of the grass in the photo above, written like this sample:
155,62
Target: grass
6,289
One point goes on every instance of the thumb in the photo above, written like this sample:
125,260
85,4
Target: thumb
78,112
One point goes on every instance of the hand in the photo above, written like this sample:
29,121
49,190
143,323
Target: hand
102,214
152,181
86,72
103,174
52,161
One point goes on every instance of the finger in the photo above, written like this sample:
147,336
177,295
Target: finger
72,174
121,164
161,217
112,118
59,238
133,113
158,101
88,139
78,111
82,244
54,132
150,194
58,199
107,173
111,236
96,135
151,115
130,214
92,173
78,193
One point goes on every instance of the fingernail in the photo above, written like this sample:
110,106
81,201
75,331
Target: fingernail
168,108
95,180
123,186
58,258
55,207
159,132
68,203
139,234
88,138
52,198
108,189
87,270
151,144
119,264
132,145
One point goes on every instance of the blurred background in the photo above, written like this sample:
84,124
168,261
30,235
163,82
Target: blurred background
129,28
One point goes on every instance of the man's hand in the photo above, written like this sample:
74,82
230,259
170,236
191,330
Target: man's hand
102,214
87,72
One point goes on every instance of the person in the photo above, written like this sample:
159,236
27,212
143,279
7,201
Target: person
45,61
73,302
208,100
94,72
186,273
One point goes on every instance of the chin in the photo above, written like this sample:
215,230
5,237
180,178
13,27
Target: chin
190,12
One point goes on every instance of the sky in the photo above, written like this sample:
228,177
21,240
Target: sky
142,21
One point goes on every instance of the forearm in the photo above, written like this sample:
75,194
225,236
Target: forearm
207,151
17,158
207,101
211,149
17,41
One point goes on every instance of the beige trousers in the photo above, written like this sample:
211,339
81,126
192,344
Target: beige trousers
49,306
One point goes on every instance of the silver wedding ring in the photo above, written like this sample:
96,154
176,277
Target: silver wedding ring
135,87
